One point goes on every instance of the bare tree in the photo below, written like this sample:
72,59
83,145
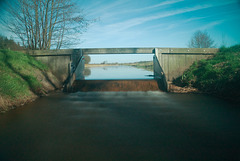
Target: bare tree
201,39
42,24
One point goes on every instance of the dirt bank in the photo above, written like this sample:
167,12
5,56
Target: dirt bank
184,90
49,83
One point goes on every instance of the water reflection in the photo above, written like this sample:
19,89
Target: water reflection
114,72
87,72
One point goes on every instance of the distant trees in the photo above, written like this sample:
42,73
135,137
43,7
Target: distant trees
42,24
6,43
201,39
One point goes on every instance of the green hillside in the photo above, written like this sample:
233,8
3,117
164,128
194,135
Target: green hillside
22,79
219,75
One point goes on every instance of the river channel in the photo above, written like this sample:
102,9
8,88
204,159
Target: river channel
122,126
115,72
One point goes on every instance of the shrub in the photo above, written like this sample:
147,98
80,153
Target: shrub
219,75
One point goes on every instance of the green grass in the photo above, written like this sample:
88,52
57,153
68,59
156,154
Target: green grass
219,75
17,74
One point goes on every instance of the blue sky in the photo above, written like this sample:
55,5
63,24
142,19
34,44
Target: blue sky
159,23
155,23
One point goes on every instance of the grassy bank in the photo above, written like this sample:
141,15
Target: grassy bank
219,75
22,79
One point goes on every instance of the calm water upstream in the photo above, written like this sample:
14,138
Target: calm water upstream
121,126
116,72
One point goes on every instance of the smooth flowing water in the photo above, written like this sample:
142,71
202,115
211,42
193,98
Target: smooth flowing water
122,126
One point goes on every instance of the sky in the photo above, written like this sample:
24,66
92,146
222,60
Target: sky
159,23
155,23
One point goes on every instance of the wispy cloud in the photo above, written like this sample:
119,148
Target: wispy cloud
116,26
205,26
130,10
155,6
141,20
104,33
166,26
137,21
100,7
211,25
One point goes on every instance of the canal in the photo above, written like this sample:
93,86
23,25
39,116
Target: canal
117,72
122,126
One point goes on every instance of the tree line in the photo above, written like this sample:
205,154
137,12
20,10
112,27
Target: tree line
6,43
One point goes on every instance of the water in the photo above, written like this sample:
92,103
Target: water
124,126
116,72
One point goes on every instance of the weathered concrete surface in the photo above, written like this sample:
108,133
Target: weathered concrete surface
174,61
59,65
159,75
76,73
59,61
115,85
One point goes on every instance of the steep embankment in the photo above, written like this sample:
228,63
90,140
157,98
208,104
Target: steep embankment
22,79
218,76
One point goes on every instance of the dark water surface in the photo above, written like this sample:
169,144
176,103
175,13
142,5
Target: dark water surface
121,126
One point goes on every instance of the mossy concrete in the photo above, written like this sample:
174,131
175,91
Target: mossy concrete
60,62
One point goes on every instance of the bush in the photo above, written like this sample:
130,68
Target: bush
219,75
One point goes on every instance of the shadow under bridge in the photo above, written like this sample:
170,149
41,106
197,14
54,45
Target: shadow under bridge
78,83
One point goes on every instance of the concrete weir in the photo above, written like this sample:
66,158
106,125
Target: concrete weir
115,85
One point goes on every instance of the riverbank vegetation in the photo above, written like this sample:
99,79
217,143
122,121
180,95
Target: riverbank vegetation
147,65
22,79
10,44
219,75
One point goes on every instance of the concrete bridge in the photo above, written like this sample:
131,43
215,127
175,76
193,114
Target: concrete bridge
169,63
